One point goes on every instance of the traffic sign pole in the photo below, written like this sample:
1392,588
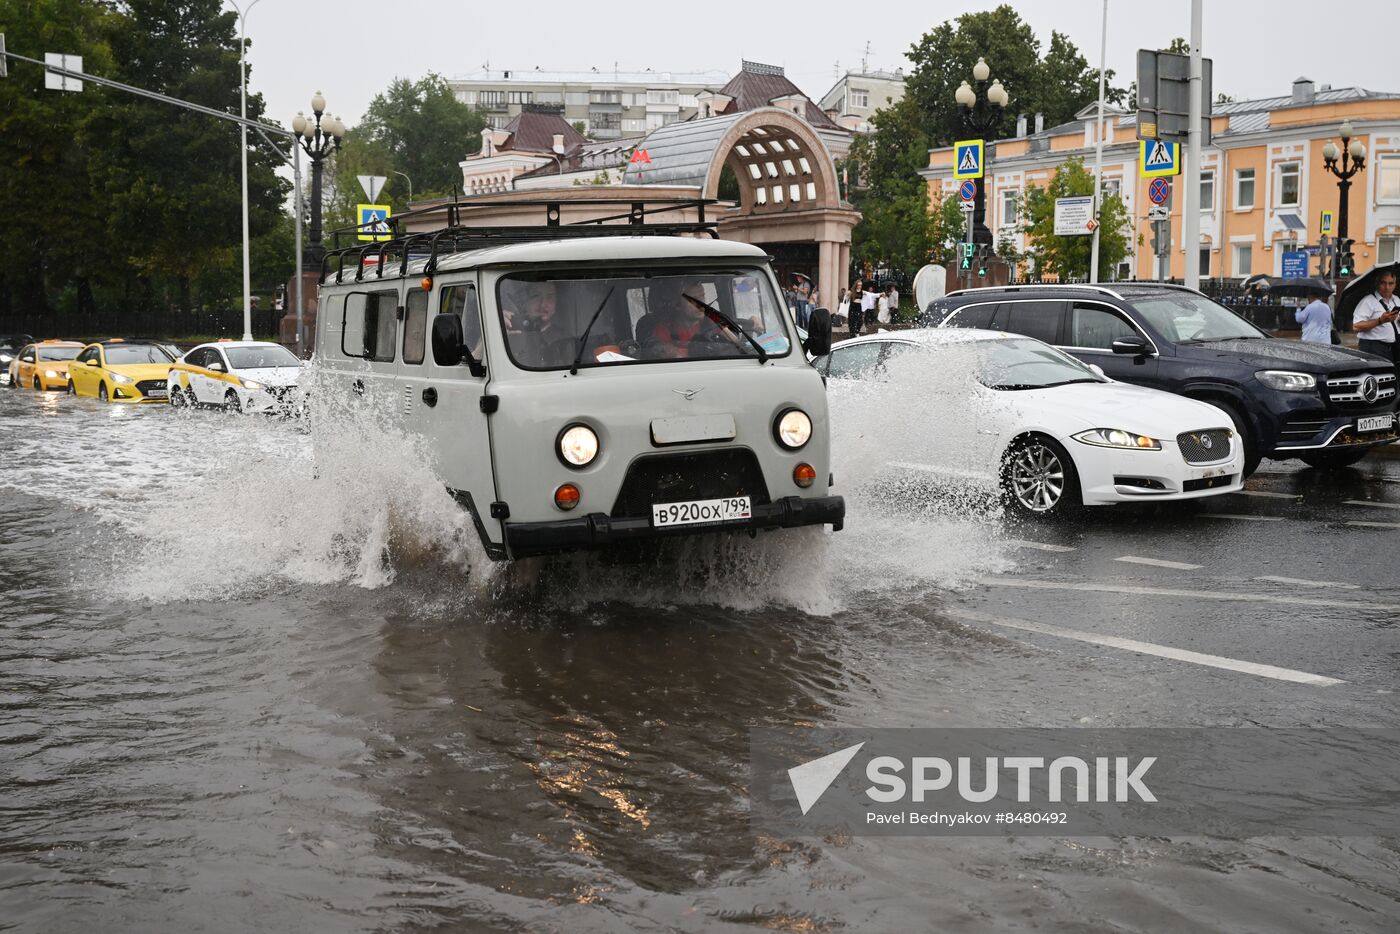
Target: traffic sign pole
1191,159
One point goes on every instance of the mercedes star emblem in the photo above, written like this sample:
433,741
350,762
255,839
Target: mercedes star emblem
1370,389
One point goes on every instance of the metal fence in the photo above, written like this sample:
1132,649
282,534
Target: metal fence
143,323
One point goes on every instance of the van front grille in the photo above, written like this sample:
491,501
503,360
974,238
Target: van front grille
678,478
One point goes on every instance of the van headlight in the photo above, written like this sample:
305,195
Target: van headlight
578,446
119,378
1117,438
793,429
1287,380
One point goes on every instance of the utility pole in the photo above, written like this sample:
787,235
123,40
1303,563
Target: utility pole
1191,156
1098,152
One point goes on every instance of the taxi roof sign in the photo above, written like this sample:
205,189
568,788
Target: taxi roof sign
374,222
967,158
1157,158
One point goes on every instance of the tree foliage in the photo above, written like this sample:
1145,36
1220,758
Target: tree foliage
1068,257
116,200
425,131
892,195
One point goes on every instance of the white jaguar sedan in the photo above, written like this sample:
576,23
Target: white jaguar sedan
1052,432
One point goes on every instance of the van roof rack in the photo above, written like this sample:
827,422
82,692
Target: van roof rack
458,237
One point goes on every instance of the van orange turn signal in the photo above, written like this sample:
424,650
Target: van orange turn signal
804,475
427,283
566,497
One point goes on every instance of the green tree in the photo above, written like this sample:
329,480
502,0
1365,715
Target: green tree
359,154
425,130
1068,257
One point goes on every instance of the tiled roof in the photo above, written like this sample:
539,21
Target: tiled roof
752,90
534,132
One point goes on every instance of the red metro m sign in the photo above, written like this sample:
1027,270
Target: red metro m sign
640,155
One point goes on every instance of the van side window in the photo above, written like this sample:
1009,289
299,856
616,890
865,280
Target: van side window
1096,327
415,327
1040,320
461,300
381,326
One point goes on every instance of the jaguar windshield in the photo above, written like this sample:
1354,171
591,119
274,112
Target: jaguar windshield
1018,364
1186,318
556,321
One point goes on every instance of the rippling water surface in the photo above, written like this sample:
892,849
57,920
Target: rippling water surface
255,676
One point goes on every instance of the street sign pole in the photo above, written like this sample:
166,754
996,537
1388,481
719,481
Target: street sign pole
968,277
1191,155
1098,148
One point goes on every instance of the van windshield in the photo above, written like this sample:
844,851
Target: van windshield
639,316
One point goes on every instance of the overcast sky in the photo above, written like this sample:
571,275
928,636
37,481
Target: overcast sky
352,49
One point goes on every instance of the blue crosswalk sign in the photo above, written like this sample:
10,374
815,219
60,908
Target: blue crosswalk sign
1158,158
374,222
967,159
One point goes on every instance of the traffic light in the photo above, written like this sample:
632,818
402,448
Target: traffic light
983,252
967,251
1345,261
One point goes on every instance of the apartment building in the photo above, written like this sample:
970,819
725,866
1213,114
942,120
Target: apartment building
1263,182
610,104
856,95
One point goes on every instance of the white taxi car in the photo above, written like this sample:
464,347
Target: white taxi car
241,376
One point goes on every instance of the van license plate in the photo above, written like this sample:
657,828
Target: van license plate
701,512
1375,423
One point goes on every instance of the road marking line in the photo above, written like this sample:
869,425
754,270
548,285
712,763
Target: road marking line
1267,493
1040,546
1367,502
1230,515
1306,583
1377,525
1161,651
1159,563
1198,594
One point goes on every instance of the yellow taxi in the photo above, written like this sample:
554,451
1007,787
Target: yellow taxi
121,371
43,365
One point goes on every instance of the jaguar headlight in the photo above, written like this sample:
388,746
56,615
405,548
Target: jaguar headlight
1287,380
793,429
578,446
1117,438
119,378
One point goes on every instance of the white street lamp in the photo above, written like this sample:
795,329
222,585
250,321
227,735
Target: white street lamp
243,154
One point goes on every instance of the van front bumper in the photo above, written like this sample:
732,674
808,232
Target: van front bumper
598,530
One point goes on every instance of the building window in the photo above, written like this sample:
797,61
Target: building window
1387,250
522,97
1244,189
1112,187
1388,178
1288,188
1244,259
634,124
602,120
859,98
662,97
1205,261
489,98
467,97
1008,208
605,97
549,97
1208,190
575,98
687,100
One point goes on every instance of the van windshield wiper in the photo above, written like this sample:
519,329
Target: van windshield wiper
583,340
712,313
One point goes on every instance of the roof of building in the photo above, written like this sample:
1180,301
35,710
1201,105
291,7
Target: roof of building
681,152
758,86
1324,96
534,132
593,156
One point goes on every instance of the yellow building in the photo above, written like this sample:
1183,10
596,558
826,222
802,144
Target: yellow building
1263,185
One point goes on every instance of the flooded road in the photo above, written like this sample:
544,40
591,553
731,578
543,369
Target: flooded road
245,684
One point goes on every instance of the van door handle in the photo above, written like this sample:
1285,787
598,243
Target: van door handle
430,397
358,387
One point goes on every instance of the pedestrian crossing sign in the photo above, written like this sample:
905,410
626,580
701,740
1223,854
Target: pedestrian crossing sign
1325,225
374,222
967,159
1156,158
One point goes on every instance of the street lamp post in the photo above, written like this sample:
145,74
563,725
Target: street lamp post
1343,163
320,136
243,152
981,108
410,186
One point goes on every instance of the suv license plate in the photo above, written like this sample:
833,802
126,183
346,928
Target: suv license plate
701,512
1375,423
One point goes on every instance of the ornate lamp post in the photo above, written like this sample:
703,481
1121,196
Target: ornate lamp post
319,138
981,108
1352,159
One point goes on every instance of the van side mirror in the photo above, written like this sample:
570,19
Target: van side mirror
818,342
1133,344
449,347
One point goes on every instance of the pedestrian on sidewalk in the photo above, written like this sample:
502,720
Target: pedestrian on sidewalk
1316,319
856,317
1374,319
867,306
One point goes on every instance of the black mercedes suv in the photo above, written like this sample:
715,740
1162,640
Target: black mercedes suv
1326,405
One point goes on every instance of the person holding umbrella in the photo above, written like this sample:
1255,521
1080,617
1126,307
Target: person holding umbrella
1374,318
